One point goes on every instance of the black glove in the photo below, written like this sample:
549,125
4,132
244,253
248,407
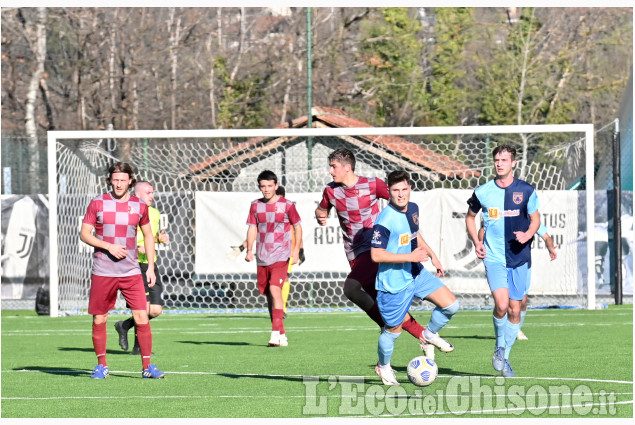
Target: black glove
302,257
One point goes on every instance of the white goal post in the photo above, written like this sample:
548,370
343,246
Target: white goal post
247,148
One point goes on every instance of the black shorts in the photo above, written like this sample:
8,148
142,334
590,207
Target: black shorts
155,294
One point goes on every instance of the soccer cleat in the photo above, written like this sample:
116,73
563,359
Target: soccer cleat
521,336
152,372
100,372
274,341
498,359
427,349
123,336
387,375
283,340
438,342
507,371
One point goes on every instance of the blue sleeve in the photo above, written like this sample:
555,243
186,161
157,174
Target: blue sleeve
381,235
533,204
474,203
541,230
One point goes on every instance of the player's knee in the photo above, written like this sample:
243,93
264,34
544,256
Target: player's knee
352,288
452,309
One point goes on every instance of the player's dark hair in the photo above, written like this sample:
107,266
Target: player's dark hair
398,176
504,148
280,191
121,167
343,156
267,175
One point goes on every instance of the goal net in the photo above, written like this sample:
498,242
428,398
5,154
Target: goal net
204,182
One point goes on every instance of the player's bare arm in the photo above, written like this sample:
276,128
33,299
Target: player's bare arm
433,257
149,248
380,255
321,215
295,252
252,232
524,237
470,224
551,246
86,235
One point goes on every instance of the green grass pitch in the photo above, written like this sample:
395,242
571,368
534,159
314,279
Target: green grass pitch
576,363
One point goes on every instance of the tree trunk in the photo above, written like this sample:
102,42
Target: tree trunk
174,28
39,50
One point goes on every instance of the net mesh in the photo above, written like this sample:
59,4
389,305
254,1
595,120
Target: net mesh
179,167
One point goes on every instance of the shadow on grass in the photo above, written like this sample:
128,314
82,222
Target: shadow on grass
215,343
90,350
66,371
340,379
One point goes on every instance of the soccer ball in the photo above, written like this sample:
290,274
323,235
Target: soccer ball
422,371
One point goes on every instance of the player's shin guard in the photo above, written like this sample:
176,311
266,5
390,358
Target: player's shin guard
511,330
413,327
100,336
144,334
277,324
386,345
441,316
499,330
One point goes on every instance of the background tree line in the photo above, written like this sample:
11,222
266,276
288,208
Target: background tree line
192,68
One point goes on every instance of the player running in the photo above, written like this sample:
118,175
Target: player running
511,218
355,201
399,249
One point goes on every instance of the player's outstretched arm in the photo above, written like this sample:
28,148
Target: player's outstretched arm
433,257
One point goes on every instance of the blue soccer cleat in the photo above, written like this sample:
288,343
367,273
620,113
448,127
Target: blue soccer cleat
498,360
100,372
507,371
152,372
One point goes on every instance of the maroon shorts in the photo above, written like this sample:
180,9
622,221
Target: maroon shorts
274,274
364,270
103,293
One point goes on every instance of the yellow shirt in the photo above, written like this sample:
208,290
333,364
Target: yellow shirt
155,217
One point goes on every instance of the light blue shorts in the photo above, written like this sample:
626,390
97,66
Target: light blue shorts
516,279
393,307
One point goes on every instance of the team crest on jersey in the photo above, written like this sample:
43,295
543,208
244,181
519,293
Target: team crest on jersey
415,218
376,237
404,239
517,198
280,209
493,213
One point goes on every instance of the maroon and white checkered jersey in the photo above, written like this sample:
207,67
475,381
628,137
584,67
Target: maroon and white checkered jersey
357,209
116,222
274,221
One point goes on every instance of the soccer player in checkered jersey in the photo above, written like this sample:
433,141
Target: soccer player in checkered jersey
271,221
355,199
114,218
511,219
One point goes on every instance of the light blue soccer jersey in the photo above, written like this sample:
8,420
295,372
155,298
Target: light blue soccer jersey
396,232
505,211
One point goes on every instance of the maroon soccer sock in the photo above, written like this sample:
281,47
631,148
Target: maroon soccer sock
413,327
374,314
277,323
100,336
144,335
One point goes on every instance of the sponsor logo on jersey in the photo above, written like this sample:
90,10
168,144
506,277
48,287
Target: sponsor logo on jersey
511,213
493,213
415,218
404,239
517,198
